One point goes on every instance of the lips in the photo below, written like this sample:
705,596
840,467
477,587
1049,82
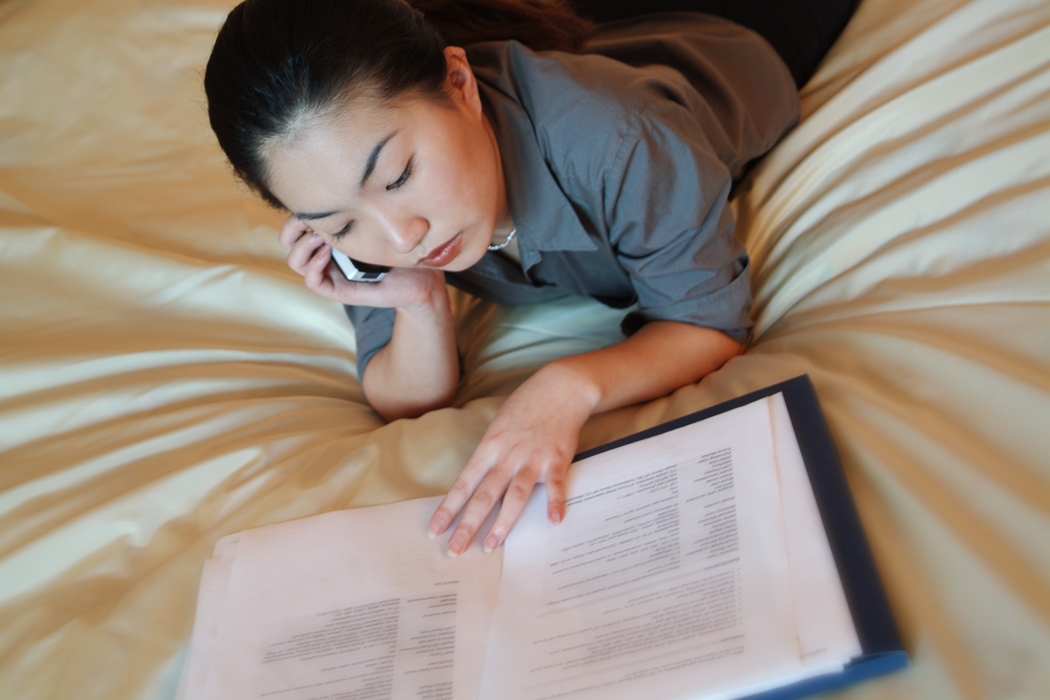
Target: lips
443,254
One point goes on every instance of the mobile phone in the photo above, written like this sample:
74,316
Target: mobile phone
357,271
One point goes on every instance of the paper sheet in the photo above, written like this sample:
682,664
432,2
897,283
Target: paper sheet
660,574
306,619
825,628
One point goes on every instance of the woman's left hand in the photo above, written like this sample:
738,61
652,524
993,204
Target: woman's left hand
534,434
532,439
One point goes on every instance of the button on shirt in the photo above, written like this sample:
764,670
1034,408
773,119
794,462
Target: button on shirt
618,165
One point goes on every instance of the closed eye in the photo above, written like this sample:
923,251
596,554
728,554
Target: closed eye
403,178
343,231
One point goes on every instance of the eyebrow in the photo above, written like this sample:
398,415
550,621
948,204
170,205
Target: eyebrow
370,165
373,157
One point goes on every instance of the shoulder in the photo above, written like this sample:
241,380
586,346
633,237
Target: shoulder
708,76
574,102
583,112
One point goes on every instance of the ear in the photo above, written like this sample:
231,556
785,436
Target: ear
460,82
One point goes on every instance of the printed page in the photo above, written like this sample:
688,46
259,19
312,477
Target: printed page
353,604
825,627
669,577
211,598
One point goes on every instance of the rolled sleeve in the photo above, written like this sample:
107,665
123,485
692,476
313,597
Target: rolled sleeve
374,327
672,227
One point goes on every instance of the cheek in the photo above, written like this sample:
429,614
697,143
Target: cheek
367,243
471,171
477,185
454,189
365,249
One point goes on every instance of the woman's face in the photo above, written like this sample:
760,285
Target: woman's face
404,182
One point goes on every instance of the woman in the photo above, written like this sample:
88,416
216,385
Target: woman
435,146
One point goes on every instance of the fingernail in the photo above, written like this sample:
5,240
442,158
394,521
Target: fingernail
491,542
456,547
555,516
435,528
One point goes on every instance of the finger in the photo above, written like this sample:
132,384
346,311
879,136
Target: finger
303,251
481,504
517,495
556,490
292,230
460,492
316,268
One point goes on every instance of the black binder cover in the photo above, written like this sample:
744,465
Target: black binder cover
882,650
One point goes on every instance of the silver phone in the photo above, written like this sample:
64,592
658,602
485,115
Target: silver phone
357,271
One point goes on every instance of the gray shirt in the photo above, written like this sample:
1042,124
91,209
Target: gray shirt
618,166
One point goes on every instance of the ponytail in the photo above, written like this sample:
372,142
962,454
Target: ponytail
275,61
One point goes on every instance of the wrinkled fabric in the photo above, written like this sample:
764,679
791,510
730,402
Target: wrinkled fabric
165,380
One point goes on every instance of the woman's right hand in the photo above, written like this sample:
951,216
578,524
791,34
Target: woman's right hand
396,382
310,256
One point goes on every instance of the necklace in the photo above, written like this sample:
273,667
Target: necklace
504,244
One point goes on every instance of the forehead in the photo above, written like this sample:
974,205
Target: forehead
323,156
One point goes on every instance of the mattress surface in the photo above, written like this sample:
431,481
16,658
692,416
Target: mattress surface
165,380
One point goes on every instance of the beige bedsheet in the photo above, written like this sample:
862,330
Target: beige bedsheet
165,381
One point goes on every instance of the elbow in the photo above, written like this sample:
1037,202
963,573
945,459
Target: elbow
395,393
390,409
393,403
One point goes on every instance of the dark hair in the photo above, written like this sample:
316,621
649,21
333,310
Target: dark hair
542,25
275,61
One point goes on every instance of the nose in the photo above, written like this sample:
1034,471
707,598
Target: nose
404,230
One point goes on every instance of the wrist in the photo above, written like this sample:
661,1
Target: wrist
571,379
432,300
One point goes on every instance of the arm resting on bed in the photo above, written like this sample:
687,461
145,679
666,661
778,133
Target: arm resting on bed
418,370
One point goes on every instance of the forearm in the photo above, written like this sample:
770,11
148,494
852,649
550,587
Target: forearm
418,370
661,357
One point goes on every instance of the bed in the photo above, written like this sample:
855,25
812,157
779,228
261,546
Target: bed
165,380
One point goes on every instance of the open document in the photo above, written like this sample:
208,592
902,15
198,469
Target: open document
692,563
